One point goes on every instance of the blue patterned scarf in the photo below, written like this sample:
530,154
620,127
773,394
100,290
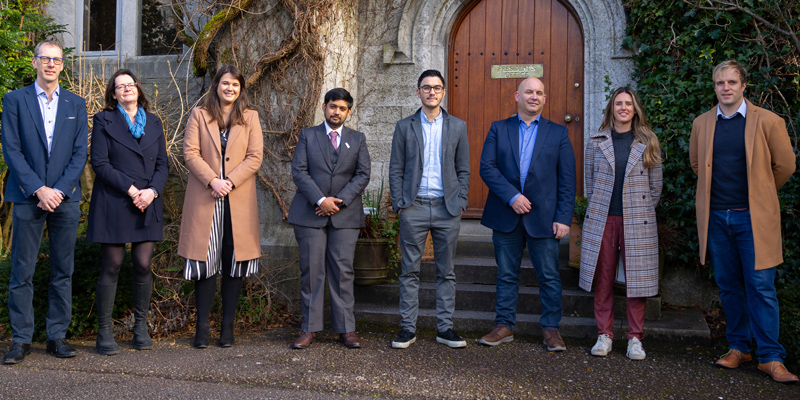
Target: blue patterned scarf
137,129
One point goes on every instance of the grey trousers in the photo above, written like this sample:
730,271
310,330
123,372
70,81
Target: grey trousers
326,252
415,221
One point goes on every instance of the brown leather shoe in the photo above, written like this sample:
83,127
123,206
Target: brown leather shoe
350,340
733,358
553,340
304,340
500,334
778,372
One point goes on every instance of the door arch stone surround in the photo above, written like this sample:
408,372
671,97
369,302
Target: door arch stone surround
425,26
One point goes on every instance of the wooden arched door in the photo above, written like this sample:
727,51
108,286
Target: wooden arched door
502,32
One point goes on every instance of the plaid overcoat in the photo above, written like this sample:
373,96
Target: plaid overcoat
640,194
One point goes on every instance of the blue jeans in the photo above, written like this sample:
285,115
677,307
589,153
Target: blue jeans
748,296
508,248
62,229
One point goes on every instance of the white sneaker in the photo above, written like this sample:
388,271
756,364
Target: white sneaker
635,350
603,346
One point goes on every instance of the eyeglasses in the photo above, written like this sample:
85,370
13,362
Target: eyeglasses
126,86
46,60
427,89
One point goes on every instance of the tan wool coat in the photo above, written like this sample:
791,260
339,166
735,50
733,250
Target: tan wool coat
641,191
770,163
203,157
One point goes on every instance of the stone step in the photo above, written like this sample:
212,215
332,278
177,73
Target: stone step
576,302
676,326
483,270
482,246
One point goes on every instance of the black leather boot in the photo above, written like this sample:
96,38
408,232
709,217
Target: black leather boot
141,305
226,335
201,335
104,298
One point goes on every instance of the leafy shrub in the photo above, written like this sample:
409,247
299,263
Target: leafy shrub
789,298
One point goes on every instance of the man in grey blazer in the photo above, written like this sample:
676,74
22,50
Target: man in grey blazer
331,169
429,180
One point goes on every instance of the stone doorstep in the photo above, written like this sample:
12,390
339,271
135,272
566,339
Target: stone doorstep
676,326
483,270
576,302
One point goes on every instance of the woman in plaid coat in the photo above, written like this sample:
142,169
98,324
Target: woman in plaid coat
622,170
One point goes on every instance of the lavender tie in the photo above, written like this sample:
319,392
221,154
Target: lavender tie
334,135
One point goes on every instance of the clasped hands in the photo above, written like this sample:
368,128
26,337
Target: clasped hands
329,206
220,187
49,198
523,206
142,198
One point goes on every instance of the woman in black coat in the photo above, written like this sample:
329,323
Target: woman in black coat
129,158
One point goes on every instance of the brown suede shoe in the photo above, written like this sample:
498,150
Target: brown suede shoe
778,372
500,334
304,340
553,340
350,340
733,358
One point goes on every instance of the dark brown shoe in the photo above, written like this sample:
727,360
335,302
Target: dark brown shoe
500,334
778,372
350,340
553,340
304,340
732,359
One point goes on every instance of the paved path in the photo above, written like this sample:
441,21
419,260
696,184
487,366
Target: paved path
262,366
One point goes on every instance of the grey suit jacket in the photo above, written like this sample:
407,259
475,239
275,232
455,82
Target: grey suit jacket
405,168
316,176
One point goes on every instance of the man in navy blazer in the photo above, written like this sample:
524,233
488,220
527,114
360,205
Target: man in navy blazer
529,166
44,138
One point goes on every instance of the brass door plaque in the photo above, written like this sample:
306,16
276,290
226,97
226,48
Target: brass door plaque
517,71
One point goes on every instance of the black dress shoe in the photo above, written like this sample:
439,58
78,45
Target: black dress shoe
17,353
61,349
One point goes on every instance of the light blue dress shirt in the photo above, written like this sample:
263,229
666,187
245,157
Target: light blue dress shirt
431,184
49,110
741,110
527,139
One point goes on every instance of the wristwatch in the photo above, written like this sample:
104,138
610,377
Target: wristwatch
154,191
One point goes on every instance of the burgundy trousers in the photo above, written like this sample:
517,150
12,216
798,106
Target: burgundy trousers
612,245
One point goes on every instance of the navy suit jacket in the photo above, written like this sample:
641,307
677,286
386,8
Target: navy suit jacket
550,181
25,146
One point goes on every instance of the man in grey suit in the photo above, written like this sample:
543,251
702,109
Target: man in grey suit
331,169
429,180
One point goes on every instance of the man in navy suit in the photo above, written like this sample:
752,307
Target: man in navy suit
529,166
44,137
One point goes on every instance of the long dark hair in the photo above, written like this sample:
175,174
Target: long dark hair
111,102
641,129
212,103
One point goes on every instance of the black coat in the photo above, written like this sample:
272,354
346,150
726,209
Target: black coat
119,161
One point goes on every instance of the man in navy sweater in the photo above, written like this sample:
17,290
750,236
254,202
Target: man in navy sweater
742,156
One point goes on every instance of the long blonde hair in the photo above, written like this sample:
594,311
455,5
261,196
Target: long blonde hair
641,129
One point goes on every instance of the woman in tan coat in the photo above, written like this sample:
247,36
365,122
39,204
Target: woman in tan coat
622,170
220,233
